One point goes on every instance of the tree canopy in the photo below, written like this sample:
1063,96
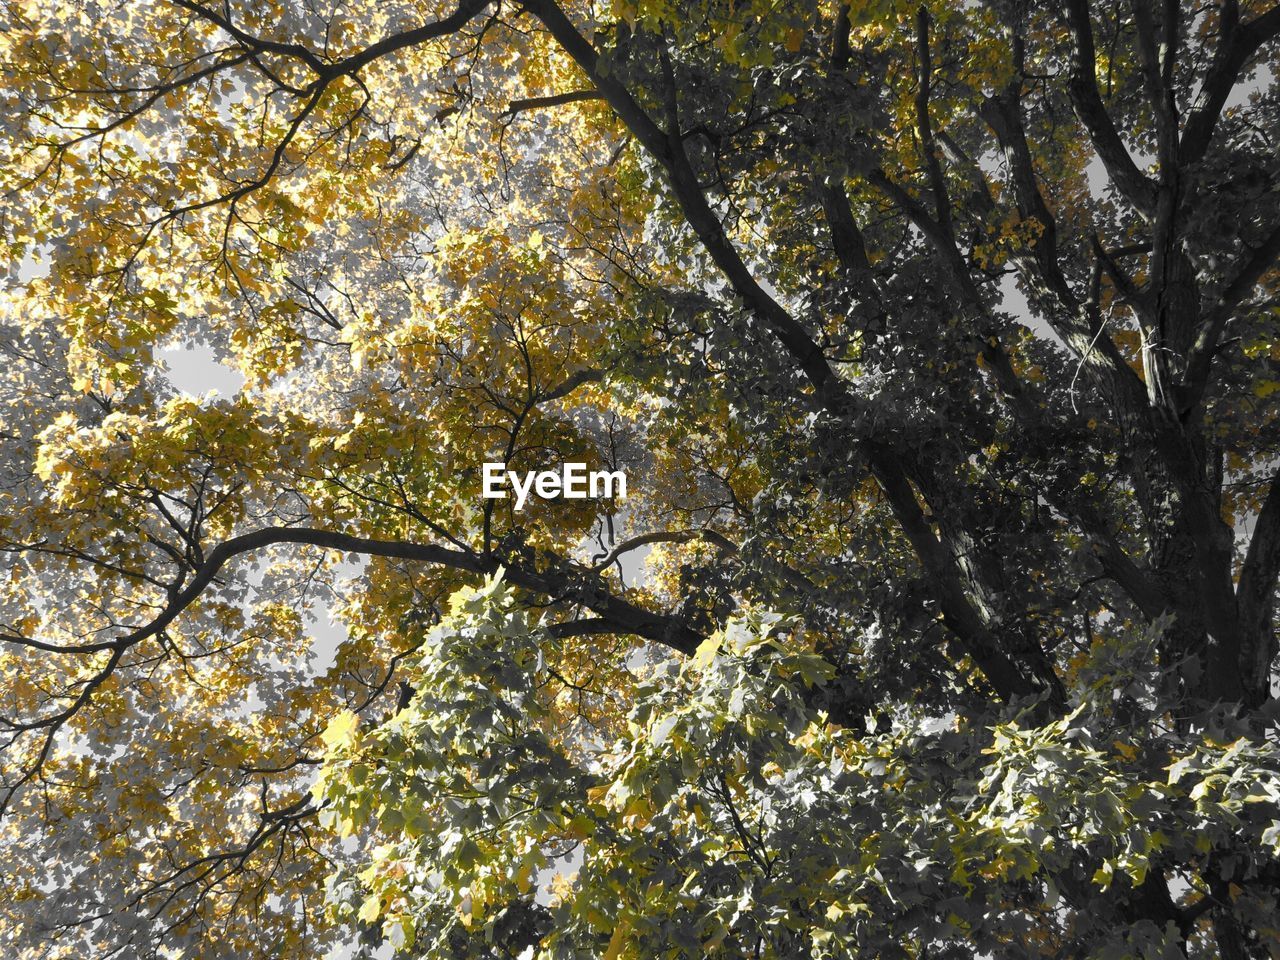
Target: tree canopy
938,342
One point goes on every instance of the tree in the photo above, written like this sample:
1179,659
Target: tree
958,632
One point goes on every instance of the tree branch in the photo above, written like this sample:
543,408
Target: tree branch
553,100
1247,276
667,149
330,69
1083,87
664,536
1236,45
1255,597
924,126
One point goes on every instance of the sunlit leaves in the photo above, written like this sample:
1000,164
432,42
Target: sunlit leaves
732,815
456,249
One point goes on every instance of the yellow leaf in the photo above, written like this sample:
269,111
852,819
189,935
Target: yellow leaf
1265,388
341,729
706,653
523,877
638,812
581,826
715,939
597,794
618,942
1126,750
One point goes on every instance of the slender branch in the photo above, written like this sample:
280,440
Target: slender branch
665,536
258,44
329,70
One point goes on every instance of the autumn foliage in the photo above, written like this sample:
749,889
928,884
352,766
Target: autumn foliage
939,344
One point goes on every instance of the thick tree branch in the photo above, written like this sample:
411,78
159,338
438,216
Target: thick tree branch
626,617
466,11
1255,597
668,149
924,127
561,582
570,384
1134,580
846,239
553,100
1246,278
955,607
1083,87
1003,113
1236,44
